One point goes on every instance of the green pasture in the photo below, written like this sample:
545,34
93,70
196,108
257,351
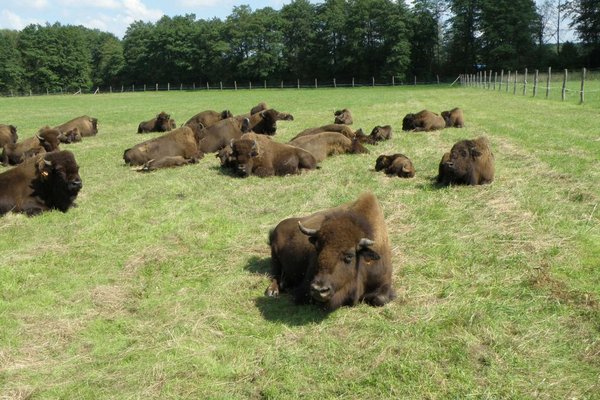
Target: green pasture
152,287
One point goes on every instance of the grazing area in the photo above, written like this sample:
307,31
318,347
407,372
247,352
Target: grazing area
153,285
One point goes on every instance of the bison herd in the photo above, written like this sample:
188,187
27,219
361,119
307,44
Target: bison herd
335,257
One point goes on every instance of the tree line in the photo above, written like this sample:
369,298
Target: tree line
342,39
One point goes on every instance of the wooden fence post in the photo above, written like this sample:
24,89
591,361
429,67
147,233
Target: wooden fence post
316,86
133,88
194,86
207,85
373,80
220,85
122,89
144,87
515,84
548,82
501,79
265,83
298,82
393,83
334,85
180,87
156,87
415,80
110,89
282,84
564,86
250,85
495,78
168,86
484,79
235,85
535,83
582,92
489,80
525,83
438,78
352,81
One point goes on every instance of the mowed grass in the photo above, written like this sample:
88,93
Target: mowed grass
152,287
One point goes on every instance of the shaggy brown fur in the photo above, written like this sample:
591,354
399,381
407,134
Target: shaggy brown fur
335,257
343,117
262,106
166,162
454,118
8,134
87,126
255,154
179,142
71,136
423,121
215,137
380,133
46,140
324,144
340,128
395,164
161,123
46,181
470,162
208,118
265,122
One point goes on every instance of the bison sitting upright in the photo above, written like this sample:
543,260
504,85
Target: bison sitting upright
46,140
469,162
423,121
8,135
44,182
87,126
324,144
343,117
258,155
161,123
396,164
336,257
454,118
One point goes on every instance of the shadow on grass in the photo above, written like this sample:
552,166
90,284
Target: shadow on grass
433,184
282,309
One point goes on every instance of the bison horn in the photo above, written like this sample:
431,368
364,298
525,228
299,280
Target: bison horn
306,231
364,242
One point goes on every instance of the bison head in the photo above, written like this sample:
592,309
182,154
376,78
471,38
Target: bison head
343,117
163,122
58,181
380,133
13,133
383,162
49,138
243,154
226,114
459,162
268,122
408,123
343,249
259,107
447,118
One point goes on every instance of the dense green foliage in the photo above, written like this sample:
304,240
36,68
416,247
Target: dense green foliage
152,287
335,39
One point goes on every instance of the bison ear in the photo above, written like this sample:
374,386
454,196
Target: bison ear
245,125
365,251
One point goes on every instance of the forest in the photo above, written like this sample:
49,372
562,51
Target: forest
341,39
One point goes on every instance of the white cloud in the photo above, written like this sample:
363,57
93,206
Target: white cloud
110,4
136,10
200,3
10,20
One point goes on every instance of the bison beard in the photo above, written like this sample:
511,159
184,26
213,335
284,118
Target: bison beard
336,257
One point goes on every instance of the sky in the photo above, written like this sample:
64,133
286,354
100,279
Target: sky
116,15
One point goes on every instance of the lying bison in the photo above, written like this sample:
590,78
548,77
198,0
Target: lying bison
340,128
336,257
87,126
265,122
8,135
469,162
46,140
178,142
71,136
380,133
324,144
423,121
454,118
258,155
219,135
208,118
262,106
343,117
395,164
161,123
44,182
166,162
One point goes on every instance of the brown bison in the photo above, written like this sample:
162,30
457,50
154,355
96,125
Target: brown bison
454,118
178,142
324,144
225,157
395,164
71,136
343,117
219,135
46,140
258,155
423,121
262,106
87,126
44,182
380,133
8,134
340,128
469,162
336,257
161,123
265,122
166,162
208,118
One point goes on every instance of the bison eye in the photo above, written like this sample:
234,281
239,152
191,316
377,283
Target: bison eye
348,257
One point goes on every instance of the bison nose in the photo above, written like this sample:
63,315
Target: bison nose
76,184
320,292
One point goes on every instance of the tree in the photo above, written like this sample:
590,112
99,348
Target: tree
11,70
427,36
298,29
586,21
464,41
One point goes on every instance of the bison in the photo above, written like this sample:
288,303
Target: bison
161,123
343,117
341,128
469,162
46,140
454,118
166,162
71,136
208,118
214,138
265,122
262,106
380,133
324,144
395,164
87,126
44,182
336,257
178,142
258,155
423,121
8,135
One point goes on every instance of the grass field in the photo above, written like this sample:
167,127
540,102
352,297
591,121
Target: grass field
153,286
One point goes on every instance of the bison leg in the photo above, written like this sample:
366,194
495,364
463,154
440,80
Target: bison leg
273,289
380,297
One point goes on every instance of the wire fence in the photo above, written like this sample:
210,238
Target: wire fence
575,86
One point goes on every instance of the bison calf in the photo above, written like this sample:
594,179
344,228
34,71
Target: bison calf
46,140
396,164
161,123
469,162
454,118
423,121
8,135
343,117
336,257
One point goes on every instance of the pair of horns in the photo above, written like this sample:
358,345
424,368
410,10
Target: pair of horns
364,242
